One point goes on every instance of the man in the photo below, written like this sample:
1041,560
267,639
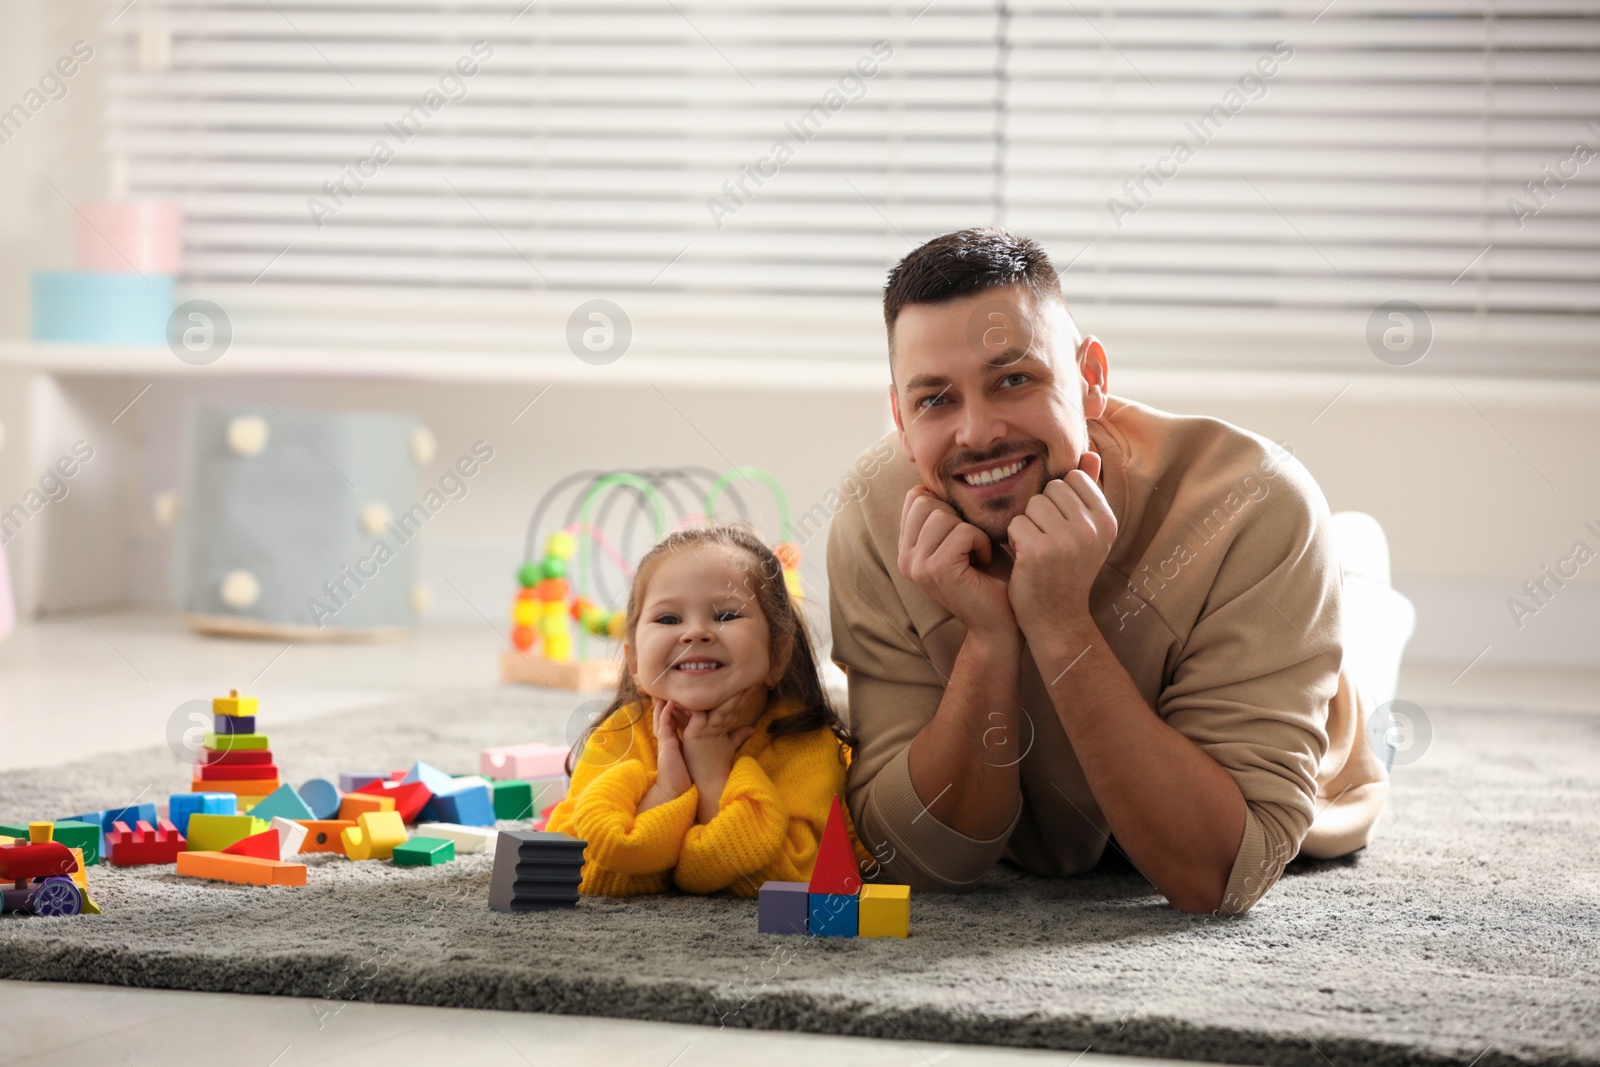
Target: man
1072,621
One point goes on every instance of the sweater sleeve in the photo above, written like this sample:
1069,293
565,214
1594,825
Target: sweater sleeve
741,839
620,837
1255,704
895,691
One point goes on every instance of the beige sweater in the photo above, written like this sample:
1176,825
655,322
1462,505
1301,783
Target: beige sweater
1220,598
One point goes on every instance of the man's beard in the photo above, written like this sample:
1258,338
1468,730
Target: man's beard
999,511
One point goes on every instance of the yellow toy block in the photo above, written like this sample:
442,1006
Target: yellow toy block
374,836
354,805
213,833
233,704
41,833
885,911
81,878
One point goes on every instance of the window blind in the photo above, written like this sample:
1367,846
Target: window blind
422,172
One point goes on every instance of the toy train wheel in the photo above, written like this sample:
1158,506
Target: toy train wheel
56,896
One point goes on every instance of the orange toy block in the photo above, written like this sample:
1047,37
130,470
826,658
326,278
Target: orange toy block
243,870
375,836
354,805
250,787
323,835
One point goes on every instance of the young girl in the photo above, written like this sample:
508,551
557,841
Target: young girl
715,764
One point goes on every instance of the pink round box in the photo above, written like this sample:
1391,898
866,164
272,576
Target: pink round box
130,236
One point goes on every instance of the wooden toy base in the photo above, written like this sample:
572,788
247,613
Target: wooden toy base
233,626
583,676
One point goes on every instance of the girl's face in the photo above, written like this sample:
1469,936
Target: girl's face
701,636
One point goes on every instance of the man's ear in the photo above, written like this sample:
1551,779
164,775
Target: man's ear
899,422
1096,371
781,664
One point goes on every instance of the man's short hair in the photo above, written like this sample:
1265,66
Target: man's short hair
966,262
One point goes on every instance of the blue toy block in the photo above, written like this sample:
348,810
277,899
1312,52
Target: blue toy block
92,308
350,781
182,805
235,724
834,915
282,802
436,780
322,797
130,815
471,806
784,908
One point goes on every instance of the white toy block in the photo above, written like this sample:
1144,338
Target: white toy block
467,838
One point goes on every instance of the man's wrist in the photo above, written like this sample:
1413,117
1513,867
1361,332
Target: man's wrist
1063,648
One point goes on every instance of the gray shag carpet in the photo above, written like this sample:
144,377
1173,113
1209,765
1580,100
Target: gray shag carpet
1468,929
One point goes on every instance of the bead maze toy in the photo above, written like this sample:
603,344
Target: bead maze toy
567,584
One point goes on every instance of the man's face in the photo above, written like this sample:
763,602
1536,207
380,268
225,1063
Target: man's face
990,400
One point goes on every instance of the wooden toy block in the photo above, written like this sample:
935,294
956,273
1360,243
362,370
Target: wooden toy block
291,837
784,908
535,871
436,780
513,800
467,839
235,742
213,833
251,788
264,845
424,852
80,878
227,772
355,805
241,758
41,833
833,915
325,835
234,724
282,802
409,797
244,870
233,704
322,797
350,781
375,836
884,911
145,845
182,805
472,806
529,761
836,870
111,816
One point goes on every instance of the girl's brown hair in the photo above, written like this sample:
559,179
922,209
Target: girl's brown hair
800,685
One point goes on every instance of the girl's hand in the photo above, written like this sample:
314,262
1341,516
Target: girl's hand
709,748
672,773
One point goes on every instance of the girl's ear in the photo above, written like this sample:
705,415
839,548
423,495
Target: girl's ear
781,663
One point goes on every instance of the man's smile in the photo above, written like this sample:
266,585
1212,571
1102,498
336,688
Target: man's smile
995,478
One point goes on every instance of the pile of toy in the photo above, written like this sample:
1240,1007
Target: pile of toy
241,823
835,903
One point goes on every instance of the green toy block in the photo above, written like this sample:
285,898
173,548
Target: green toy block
513,800
235,742
424,852
68,832
213,833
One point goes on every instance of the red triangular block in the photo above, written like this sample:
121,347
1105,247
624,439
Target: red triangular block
262,846
836,870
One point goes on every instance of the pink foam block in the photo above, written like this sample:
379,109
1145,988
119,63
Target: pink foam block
523,761
130,236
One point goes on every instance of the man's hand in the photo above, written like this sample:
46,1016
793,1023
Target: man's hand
1060,542
936,550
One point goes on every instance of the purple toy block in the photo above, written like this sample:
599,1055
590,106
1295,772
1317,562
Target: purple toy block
351,781
784,907
235,724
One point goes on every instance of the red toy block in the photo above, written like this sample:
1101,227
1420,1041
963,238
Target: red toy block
409,797
243,757
836,870
262,846
244,773
145,846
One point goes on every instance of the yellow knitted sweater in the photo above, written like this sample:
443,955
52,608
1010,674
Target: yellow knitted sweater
768,825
